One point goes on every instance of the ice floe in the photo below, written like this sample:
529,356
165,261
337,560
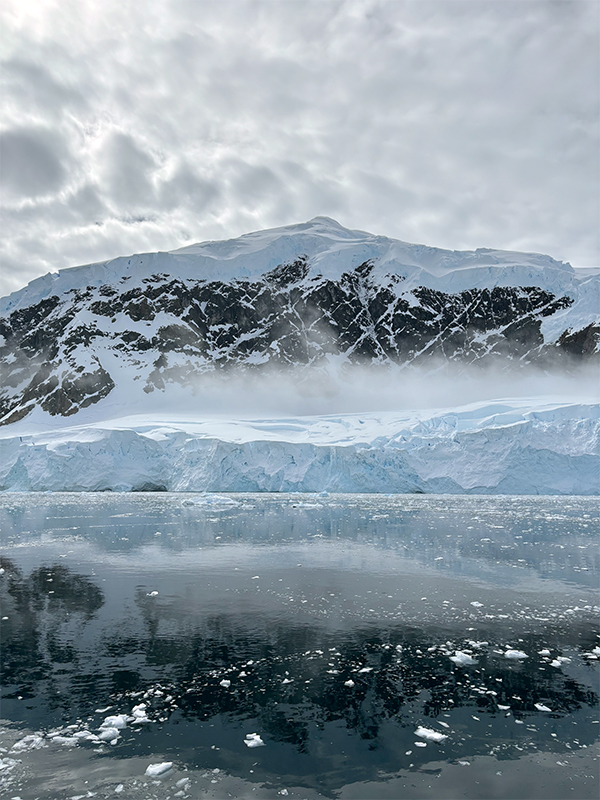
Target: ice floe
430,734
463,659
515,655
156,770
253,740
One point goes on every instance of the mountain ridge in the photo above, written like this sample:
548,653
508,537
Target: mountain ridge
241,247
309,295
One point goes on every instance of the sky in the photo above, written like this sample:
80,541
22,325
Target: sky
133,127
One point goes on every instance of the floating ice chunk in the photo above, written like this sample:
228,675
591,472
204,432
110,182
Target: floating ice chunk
284,792
287,680
596,651
253,740
544,652
108,734
211,500
152,594
477,604
420,744
139,714
430,734
365,669
119,788
225,683
559,661
463,659
119,721
29,742
541,707
156,770
67,741
503,708
465,763
182,782
86,736
515,655
349,683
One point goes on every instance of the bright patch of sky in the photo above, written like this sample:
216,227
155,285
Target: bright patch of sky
130,127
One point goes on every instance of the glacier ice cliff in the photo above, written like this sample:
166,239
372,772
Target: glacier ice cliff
540,446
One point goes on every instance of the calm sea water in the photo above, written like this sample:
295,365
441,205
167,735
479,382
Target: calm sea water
402,646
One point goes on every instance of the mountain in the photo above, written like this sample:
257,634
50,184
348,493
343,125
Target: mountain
313,295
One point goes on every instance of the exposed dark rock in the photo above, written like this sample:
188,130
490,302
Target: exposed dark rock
585,342
285,318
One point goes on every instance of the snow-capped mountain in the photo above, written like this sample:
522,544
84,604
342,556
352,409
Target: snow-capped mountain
313,294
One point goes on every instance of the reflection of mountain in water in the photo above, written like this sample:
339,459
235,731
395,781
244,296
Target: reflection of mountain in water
290,679
40,609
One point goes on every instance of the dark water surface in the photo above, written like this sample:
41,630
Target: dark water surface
349,632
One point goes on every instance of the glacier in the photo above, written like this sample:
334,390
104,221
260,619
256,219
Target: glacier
521,446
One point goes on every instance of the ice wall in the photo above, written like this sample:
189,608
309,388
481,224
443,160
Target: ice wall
506,447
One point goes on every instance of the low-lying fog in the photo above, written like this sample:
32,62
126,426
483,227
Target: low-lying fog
313,391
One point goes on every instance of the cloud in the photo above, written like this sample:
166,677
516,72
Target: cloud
127,171
185,186
30,162
456,123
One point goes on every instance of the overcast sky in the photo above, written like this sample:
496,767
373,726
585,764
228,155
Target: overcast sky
136,126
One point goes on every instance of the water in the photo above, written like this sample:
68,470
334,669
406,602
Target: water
326,625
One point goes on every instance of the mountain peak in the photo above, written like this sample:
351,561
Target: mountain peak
314,294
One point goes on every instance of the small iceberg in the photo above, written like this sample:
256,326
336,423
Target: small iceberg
463,659
119,721
430,734
515,655
156,770
253,740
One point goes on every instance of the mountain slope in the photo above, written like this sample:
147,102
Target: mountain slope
308,295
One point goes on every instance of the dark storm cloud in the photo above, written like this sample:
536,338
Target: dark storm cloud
457,123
